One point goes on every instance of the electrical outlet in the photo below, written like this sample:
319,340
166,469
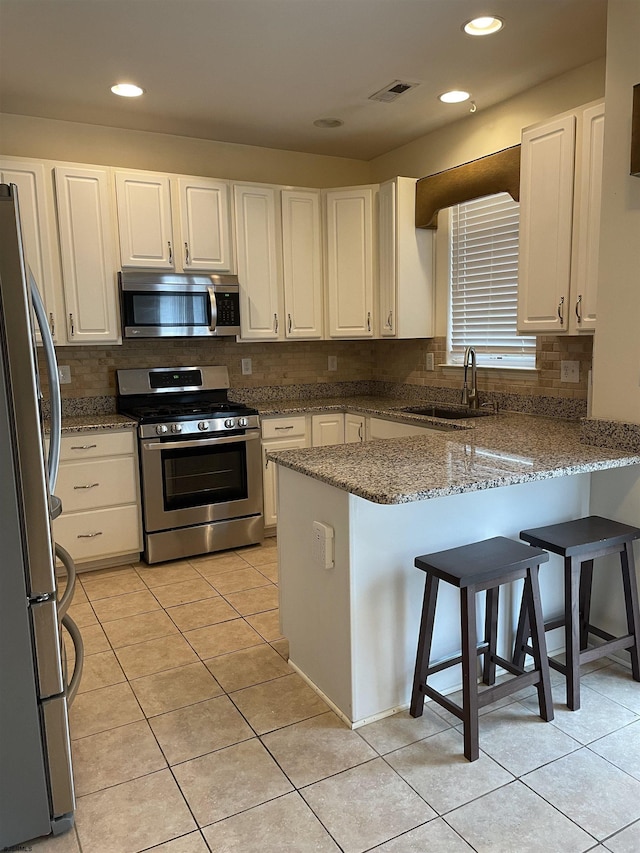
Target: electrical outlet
246,367
333,362
322,544
569,371
64,373
430,362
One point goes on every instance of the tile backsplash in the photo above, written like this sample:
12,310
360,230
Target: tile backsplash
388,363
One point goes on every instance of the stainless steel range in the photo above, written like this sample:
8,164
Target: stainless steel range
200,461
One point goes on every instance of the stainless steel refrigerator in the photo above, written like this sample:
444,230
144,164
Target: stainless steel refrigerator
36,781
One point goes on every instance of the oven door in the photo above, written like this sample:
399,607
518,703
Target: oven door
198,480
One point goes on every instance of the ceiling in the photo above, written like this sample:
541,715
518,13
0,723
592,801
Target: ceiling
259,72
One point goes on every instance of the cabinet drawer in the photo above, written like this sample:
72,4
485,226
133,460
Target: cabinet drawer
97,483
99,533
284,427
94,444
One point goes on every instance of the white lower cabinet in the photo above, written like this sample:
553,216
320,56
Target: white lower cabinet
355,427
327,429
381,428
278,434
98,487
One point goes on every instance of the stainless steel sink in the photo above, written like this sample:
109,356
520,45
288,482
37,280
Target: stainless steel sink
449,413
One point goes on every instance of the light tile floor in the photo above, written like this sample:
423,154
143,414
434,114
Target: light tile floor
191,733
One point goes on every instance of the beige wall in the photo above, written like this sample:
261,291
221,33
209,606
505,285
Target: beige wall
25,136
616,376
493,129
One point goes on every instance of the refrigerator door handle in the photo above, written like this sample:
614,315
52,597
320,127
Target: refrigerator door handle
47,642
53,461
70,568
76,637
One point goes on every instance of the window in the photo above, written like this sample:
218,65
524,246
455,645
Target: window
484,284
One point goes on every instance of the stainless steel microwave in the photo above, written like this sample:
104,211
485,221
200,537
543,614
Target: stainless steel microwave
158,305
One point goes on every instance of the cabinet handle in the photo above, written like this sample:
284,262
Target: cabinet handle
579,308
285,427
170,251
368,321
360,431
275,323
52,325
187,260
83,446
289,323
72,328
266,464
89,486
89,535
561,310
390,320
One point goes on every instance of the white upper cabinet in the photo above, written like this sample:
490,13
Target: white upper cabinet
32,184
258,240
406,264
560,184
205,224
350,266
302,263
144,220
88,255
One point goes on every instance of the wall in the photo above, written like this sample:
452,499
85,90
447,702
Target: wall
616,373
493,129
25,136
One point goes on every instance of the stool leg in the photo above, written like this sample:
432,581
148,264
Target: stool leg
490,636
572,630
522,635
534,605
586,581
469,672
631,604
425,637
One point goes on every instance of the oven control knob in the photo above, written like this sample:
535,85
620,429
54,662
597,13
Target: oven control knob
161,429
176,427
203,426
229,423
242,422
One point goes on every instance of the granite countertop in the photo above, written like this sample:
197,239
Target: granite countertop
90,423
469,455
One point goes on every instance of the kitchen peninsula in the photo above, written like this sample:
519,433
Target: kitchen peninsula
353,628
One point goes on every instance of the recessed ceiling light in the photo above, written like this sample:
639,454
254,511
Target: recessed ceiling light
454,97
127,90
483,26
328,122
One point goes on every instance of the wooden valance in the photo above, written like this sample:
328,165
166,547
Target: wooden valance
496,173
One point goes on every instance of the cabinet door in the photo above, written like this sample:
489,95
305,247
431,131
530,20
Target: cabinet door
354,429
350,262
327,429
31,181
380,428
546,217
270,479
387,309
302,263
144,220
587,220
205,225
88,255
257,237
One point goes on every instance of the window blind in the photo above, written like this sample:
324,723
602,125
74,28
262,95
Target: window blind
484,283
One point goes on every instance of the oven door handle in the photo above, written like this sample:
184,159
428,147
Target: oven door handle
202,442
214,309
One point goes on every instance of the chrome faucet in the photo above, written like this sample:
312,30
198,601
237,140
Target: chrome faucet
470,395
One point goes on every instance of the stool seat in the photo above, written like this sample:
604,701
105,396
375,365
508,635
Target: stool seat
580,542
473,568
582,536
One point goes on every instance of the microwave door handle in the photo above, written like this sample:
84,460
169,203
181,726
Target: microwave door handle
214,309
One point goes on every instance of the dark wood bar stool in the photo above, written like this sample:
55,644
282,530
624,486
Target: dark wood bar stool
580,542
472,568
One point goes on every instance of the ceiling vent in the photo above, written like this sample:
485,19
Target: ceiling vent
392,91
